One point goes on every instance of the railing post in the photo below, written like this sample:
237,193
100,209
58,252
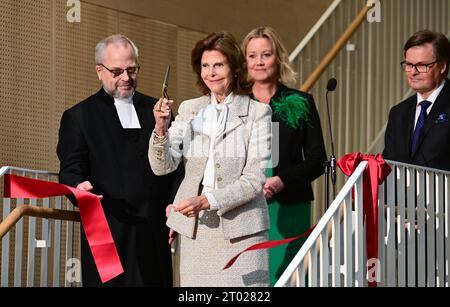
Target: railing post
31,247
324,258
18,246
390,229
360,266
430,221
312,273
446,192
420,228
410,227
57,246
348,242
401,246
336,250
441,228
69,249
381,271
5,245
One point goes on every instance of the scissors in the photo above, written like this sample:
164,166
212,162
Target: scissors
165,86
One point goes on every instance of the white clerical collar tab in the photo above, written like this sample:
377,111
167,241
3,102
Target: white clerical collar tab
128,100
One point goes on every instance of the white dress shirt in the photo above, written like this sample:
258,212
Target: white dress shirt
432,98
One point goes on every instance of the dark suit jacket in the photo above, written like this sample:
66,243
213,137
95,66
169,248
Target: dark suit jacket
93,146
434,143
301,154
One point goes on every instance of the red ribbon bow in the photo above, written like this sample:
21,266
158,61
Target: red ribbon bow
92,217
376,172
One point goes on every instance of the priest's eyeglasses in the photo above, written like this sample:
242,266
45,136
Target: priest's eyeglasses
131,71
420,67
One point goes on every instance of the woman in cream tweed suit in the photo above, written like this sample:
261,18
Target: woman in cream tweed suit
223,138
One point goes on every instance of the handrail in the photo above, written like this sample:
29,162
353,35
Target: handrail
26,210
54,223
393,211
315,75
418,167
322,224
5,169
314,30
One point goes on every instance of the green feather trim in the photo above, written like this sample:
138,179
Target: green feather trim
291,108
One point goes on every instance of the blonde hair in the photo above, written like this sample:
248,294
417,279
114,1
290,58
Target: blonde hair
287,75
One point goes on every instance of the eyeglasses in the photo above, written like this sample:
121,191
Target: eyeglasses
422,68
131,71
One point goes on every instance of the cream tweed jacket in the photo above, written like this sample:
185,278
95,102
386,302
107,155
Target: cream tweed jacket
241,155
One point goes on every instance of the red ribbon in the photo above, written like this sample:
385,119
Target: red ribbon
268,244
92,217
376,172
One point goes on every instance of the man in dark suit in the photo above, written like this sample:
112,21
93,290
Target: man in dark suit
418,130
103,146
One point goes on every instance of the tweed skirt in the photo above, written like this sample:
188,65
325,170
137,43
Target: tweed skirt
202,259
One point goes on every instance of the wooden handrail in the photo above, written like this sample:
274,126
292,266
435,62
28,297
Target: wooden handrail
26,210
329,57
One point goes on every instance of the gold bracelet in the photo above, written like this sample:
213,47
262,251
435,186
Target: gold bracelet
159,139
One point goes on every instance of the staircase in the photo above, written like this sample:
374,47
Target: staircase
370,80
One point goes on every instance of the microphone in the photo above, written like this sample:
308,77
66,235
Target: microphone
331,86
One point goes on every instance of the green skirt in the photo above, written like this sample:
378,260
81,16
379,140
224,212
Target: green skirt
286,221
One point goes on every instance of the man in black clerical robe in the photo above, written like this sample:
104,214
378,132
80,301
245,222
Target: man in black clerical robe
103,146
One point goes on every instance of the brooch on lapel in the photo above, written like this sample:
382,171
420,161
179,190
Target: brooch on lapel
442,118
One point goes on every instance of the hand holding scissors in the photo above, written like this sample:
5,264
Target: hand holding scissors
165,87
162,110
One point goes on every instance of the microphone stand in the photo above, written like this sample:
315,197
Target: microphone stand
330,165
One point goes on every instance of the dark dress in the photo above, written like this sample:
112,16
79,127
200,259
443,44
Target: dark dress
93,146
299,160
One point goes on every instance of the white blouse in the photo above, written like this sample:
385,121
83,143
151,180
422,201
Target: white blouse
211,121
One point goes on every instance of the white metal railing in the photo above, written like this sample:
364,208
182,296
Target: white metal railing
49,260
416,246
413,241
41,247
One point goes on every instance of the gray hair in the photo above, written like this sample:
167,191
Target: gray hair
113,39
